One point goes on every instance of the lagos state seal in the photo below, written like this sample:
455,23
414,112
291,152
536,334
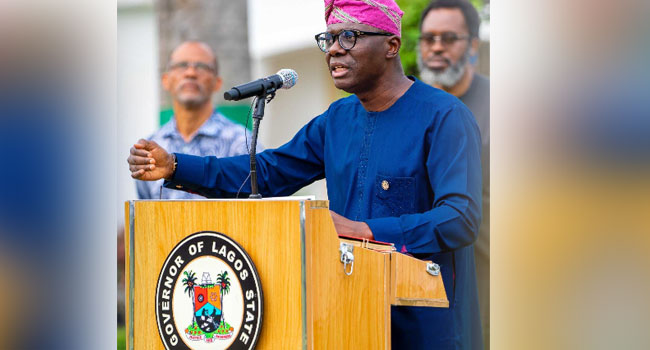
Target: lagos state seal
209,295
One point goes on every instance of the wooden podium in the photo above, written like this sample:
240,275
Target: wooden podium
309,302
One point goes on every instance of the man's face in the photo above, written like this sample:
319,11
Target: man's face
191,77
442,59
358,69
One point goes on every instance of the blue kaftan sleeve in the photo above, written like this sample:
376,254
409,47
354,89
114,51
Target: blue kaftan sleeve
454,171
280,172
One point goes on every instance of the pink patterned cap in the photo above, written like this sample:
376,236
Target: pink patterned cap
381,14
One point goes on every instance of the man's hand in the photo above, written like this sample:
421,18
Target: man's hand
348,227
149,162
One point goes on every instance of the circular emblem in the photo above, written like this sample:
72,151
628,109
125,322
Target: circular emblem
209,295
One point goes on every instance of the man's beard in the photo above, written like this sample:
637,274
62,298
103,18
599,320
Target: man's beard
446,78
192,101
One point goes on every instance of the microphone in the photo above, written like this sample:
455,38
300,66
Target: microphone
285,79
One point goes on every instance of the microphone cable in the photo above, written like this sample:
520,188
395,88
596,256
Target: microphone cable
248,117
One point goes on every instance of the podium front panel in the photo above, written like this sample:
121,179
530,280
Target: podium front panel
269,231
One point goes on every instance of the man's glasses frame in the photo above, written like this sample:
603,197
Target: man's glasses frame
347,39
198,66
446,38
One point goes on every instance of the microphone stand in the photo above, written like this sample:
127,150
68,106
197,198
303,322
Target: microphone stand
258,114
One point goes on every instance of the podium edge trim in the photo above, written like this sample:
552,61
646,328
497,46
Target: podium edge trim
131,269
303,263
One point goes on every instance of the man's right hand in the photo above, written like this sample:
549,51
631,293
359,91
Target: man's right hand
149,162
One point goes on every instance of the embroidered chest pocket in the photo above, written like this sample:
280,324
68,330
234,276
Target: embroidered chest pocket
394,196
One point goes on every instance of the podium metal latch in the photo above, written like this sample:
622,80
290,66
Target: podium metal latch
433,269
347,257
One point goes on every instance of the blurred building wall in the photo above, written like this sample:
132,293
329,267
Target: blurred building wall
137,86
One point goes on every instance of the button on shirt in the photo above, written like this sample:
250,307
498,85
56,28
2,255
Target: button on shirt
217,137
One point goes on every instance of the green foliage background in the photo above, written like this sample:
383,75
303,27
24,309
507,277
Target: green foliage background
411,31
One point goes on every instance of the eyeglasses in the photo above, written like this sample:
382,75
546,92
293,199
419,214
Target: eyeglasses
446,38
347,39
199,66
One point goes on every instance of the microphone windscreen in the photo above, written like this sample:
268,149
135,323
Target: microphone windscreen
289,78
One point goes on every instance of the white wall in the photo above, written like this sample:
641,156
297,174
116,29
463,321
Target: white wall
137,86
279,26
